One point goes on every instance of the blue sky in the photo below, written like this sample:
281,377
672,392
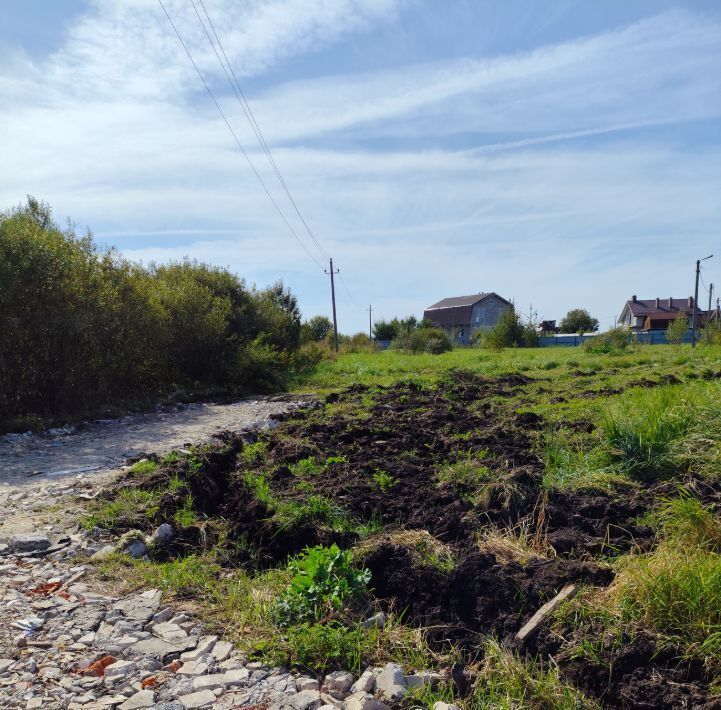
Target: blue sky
562,153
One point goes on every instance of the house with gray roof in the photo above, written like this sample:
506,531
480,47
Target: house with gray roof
462,316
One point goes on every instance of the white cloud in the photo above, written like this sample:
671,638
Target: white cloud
112,131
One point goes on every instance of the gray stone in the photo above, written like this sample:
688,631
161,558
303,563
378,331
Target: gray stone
142,699
156,648
338,683
139,607
328,699
198,700
305,700
221,650
136,549
365,684
445,706
172,633
419,680
29,542
163,615
120,668
364,701
162,534
391,682
378,620
103,553
6,663
193,668
209,682
240,676
307,684
205,645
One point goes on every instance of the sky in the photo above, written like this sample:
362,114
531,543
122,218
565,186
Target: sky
562,153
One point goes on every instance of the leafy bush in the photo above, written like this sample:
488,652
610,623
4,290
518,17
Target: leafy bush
316,329
578,320
677,329
429,340
509,332
89,328
324,578
614,341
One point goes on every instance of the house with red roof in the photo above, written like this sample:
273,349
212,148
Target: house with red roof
657,313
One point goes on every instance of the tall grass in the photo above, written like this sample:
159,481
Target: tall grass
676,589
664,432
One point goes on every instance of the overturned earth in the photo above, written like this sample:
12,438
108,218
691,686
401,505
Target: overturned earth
364,464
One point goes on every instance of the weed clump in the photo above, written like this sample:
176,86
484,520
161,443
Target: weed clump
324,578
676,589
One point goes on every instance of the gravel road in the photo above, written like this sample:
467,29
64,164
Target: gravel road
105,445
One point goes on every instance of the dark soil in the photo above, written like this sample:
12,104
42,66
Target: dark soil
409,433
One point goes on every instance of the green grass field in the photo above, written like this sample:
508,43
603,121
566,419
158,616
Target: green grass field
542,435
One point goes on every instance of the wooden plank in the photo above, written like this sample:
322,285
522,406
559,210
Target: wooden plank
535,622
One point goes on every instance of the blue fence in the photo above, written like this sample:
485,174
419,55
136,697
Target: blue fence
647,337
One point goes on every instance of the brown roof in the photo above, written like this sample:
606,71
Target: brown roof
666,306
456,311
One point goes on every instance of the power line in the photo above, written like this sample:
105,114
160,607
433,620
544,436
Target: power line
235,137
243,101
355,303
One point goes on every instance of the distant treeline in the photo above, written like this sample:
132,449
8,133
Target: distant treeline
82,328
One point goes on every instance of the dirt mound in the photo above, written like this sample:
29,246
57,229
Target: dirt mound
478,597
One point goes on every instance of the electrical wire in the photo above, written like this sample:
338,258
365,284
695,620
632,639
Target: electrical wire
243,101
355,303
235,137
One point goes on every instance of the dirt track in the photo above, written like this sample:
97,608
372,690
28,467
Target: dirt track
105,445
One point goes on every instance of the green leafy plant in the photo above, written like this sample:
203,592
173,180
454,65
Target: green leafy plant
324,578
306,467
384,480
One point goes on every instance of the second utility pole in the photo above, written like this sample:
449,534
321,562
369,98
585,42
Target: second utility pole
332,291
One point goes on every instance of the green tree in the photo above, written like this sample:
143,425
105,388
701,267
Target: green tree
508,332
316,329
385,330
578,320
677,329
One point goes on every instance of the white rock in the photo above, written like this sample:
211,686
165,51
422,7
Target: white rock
445,706
365,684
338,683
172,633
193,668
391,682
197,700
6,663
205,645
364,701
307,684
120,668
221,650
142,699
239,676
209,682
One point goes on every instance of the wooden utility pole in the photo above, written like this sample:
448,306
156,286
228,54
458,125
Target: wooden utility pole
370,323
332,291
695,301
710,298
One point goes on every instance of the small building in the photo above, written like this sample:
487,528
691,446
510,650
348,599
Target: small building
547,327
657,313
462,316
